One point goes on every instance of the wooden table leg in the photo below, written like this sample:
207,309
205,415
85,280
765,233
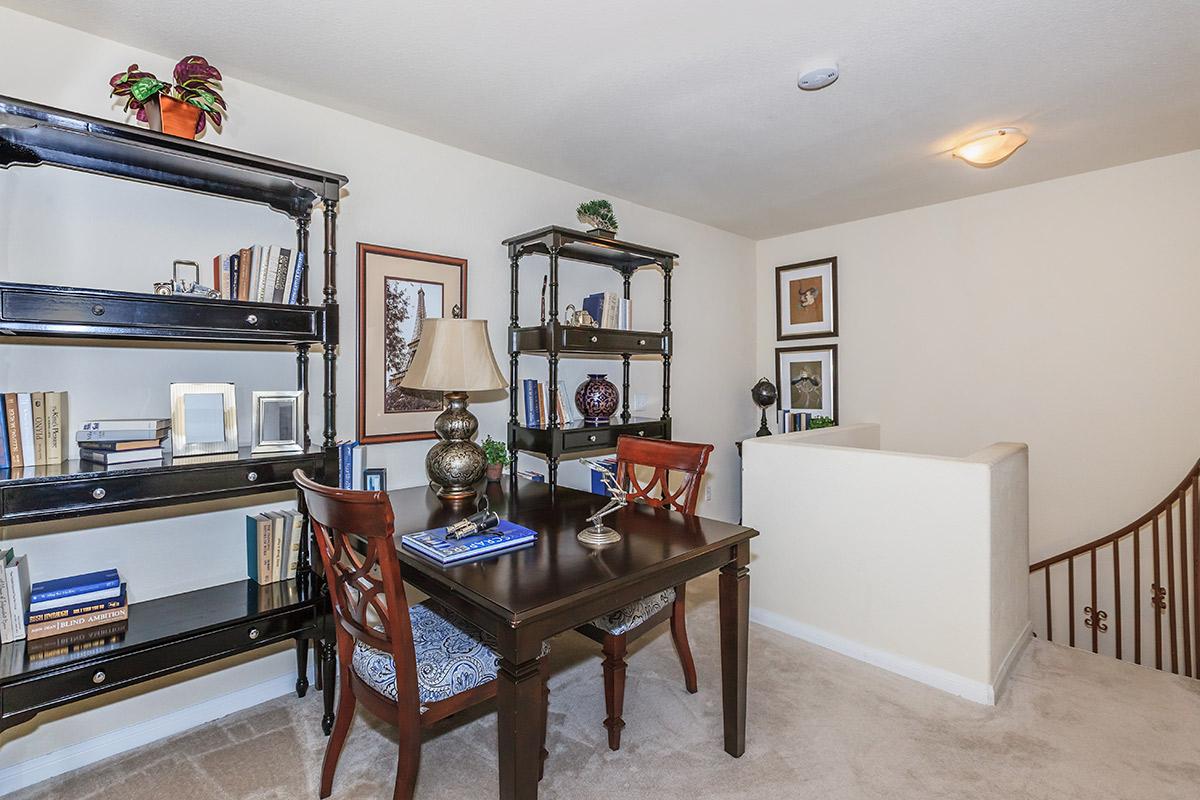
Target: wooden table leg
518,724
735,634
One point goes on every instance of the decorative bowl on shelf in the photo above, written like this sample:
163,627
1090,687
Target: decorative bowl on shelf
596,398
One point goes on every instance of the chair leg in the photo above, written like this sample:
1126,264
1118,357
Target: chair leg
614,687
679,634
544,669
409,759
337,738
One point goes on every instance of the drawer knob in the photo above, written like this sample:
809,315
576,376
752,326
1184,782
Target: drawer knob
98,310
641,433
252,476
592,438
99,493
595,339
642,342
254,634
252,319
99,677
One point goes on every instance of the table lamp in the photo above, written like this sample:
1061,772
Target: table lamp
455,356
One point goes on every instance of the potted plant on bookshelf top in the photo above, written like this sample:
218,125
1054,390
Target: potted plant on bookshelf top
600,215
497,458
180,109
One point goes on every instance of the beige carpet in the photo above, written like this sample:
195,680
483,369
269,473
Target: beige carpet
1072,725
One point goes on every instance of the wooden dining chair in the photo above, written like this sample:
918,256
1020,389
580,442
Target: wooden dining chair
410,669
615,630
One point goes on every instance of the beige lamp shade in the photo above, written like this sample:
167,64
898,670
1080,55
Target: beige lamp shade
454,355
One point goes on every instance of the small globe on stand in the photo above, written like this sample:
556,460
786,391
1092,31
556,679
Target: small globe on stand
764,394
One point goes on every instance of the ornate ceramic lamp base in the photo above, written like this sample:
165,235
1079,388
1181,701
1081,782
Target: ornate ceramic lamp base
456,463
598,536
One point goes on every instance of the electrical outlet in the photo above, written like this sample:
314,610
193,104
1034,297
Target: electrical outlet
707,493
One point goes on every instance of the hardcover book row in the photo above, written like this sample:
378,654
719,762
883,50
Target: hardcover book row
260,274
32,427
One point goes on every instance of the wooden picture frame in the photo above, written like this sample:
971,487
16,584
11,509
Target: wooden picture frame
806,300
798,359
400,283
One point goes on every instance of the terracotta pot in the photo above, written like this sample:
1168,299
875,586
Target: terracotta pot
174,117
494,471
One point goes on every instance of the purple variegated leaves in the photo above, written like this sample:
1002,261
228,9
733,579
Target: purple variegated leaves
136,87
194,77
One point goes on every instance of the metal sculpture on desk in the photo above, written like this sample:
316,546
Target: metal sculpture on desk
599,535
764,394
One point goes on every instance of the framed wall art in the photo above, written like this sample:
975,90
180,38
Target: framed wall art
397,291
806,299
203,419
807,379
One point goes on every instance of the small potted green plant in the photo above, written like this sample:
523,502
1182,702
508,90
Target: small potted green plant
496,454
600,215
180,109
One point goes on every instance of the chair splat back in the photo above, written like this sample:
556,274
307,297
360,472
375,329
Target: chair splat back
687,458
354,535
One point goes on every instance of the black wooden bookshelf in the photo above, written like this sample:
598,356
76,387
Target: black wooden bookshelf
172,633
554,340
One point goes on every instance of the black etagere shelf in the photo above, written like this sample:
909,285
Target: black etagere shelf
554,340
171,633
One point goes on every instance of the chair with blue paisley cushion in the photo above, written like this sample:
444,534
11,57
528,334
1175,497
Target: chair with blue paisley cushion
411,669
618,628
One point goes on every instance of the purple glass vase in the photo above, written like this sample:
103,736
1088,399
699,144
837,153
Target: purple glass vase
596,398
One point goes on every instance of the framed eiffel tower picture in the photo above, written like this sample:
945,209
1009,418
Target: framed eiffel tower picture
397,291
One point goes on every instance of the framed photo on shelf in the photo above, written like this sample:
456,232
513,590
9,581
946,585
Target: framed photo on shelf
807,379
203,419
806,299
278,422
375,479
397,291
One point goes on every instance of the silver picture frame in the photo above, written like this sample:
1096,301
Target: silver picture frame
277,422
203,419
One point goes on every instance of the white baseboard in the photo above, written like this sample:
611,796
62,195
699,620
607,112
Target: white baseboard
1000,680
38,769
966,688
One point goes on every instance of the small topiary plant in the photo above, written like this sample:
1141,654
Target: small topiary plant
495,452
598,214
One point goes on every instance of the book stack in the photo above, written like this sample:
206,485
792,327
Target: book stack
69,604
609,309
260,274
14,595
273,545
113,442
791,421
350,465
434,544
32,426
536,398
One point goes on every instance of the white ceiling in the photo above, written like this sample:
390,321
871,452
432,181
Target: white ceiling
691,106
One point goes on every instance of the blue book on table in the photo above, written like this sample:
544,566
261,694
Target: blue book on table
44,591
434,545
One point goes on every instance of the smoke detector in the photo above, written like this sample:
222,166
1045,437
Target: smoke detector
819,78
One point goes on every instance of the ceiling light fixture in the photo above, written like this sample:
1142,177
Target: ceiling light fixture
817,78
989,148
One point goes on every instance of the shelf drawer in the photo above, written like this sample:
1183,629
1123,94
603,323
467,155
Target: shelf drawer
583,439
119,490
47,690
99,312
606,340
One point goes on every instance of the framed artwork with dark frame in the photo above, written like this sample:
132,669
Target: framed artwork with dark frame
397,291
806,299
807,379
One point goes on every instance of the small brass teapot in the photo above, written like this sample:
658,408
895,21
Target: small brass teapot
578,318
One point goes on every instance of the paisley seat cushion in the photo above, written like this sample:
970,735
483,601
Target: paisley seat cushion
626,619
453,656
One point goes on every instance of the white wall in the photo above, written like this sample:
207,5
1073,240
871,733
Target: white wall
914,563
1062,314
79,230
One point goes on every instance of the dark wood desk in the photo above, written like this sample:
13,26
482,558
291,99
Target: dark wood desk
529,595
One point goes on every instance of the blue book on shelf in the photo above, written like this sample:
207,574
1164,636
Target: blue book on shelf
5,463
531,402
77,609
347,464
594,305
294,292
434,545
44,591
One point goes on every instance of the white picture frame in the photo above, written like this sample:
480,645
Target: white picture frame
203,419
277,422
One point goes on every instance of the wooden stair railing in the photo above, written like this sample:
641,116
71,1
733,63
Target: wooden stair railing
1140,586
